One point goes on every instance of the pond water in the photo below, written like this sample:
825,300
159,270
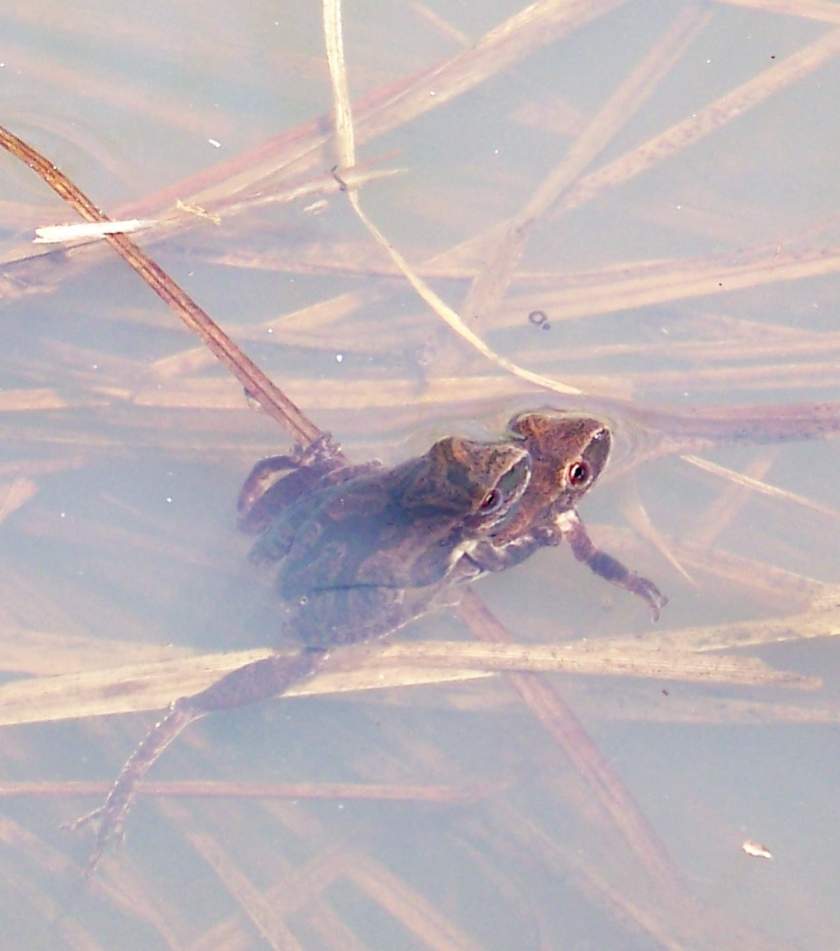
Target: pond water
658,179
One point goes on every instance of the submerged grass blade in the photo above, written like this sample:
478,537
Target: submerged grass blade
151,686
345,138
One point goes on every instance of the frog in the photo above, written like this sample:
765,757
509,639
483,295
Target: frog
358,552
568,454
359,557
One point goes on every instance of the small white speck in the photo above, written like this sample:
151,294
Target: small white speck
495,151
62,515
169,499
756,849
270,330
340,805
94,366
432,92
316,207
215,143
678,207
708,62
339,357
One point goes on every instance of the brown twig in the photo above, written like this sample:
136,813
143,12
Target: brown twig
257,385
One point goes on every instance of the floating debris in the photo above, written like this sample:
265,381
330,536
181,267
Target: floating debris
53,234
756,849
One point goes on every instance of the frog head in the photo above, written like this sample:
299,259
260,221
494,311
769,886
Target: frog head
475,483
568,454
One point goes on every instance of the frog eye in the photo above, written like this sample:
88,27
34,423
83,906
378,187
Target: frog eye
491,502
578,473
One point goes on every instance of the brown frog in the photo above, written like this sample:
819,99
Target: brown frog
361,552
568,454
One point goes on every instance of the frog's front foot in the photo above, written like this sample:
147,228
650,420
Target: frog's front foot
612,570
320,450
646,589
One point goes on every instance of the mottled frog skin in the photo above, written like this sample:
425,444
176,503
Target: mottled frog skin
361,552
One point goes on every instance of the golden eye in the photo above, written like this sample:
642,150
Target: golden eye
578,473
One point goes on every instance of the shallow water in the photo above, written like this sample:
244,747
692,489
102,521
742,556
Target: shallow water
708,278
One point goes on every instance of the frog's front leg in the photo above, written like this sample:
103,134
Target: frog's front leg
249,684
487,556
571,529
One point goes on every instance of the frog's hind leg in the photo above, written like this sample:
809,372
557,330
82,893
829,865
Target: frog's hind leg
249,684
277,482
271,485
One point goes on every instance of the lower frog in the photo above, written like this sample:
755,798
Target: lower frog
361,552
568,454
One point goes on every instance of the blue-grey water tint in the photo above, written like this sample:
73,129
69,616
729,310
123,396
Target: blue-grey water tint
131,534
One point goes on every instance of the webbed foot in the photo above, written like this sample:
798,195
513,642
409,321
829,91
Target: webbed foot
111,815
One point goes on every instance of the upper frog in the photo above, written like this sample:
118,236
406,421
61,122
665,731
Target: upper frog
363,554
568,454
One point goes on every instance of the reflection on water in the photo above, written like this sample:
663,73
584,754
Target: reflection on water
656,179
